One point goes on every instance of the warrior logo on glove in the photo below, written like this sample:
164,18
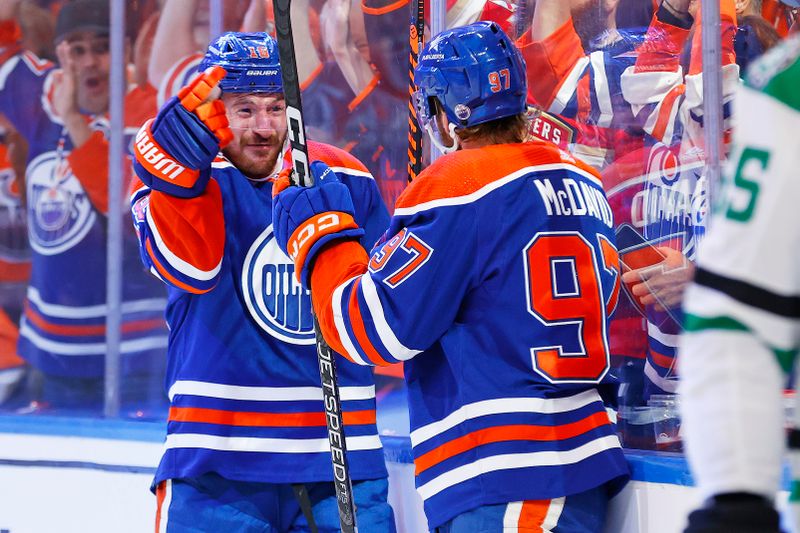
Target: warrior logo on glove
173,161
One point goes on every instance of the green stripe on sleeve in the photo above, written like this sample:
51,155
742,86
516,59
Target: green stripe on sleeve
696,324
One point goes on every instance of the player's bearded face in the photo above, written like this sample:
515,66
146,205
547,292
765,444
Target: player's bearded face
258,123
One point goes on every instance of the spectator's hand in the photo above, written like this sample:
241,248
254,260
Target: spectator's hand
65,83
174,152
304,219
661,285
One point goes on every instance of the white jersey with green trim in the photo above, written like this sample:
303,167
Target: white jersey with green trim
743,310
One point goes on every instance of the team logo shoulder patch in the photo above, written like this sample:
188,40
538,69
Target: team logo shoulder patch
272,294
548,128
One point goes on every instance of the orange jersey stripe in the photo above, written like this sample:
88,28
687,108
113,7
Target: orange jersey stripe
86,330
508,433
357,321
662,360
532,515
394,371
161,491
251,419
192,228
364,93
377,11
445,177
665,111
14,272
9,334
167,276
311,77
342,262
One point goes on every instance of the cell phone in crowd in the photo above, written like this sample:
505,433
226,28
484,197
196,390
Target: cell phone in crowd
636,252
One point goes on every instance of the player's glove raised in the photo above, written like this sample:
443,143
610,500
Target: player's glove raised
304,219
174,152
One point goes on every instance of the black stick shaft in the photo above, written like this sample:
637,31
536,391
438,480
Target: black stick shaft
416,36
325,356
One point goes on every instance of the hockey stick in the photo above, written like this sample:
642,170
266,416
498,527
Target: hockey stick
416,37
302,176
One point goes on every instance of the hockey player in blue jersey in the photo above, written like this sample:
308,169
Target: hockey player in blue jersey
494,284
246,422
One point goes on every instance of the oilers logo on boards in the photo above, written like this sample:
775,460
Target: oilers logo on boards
664,162
59,211
274,297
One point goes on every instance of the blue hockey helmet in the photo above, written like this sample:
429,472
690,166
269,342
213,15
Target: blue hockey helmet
251,60
474,72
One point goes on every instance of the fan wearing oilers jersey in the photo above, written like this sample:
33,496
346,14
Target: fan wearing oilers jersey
62,113
494,284
246,425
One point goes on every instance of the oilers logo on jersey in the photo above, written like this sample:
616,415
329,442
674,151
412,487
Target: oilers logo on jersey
274,298
59,211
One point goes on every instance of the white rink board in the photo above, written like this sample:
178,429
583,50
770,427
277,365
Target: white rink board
74,500
89,485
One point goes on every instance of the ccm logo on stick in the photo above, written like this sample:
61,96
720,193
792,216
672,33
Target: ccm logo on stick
153,158
298,139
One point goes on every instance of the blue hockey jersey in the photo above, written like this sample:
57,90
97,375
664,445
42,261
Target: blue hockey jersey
243,377
62,330
494,284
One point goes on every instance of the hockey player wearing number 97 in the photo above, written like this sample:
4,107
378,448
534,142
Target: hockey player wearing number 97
246,426
494,283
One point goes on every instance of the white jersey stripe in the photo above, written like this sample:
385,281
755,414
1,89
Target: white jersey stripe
164,517
516,460
92,311
601,90
568,88
503,406
264,394
6,69
267,445
553,514
494,185
666,339
176,262
88,348
667,384
511,517
352,172
644,88
341,329
387,336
